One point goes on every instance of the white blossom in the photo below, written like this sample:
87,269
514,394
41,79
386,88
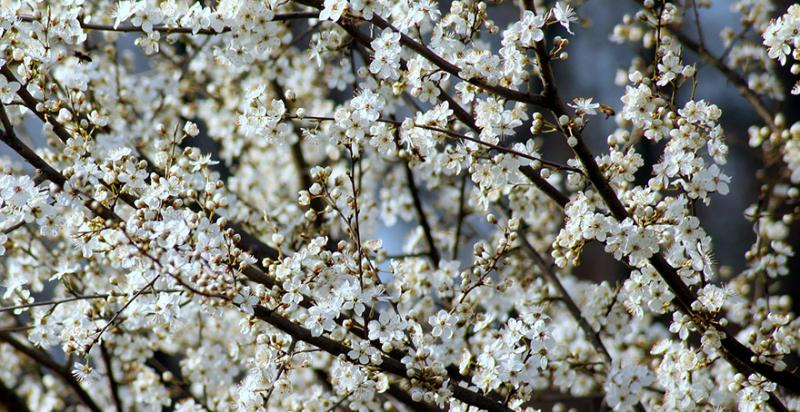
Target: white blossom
396,206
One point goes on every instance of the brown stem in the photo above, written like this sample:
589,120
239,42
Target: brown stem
462,211
53,302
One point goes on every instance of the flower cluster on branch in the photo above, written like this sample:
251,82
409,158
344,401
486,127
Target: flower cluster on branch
201,198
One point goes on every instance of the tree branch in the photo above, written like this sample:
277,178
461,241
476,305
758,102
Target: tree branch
739,356
738,82
112,383
423,219
45,361
546,269
388,364
434,58
11,400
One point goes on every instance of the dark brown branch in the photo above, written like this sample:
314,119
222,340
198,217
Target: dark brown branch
11,401
551,191
462,210
421,216
112,383
431,56
10,138
454,70
247,242
741,357
389,364
61,132
738,81
45,361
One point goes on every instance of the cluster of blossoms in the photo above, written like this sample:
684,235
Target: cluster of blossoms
332,205
782,40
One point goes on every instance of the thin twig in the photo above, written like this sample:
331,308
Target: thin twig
281,371
54,302
455,135
118,313
698,25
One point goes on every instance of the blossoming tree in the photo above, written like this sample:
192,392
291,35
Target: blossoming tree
142,270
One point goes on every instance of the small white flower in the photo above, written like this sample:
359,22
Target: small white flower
564,14
124,11
83,372
333,9
583,105
191,129
531,29
246,300
7,90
